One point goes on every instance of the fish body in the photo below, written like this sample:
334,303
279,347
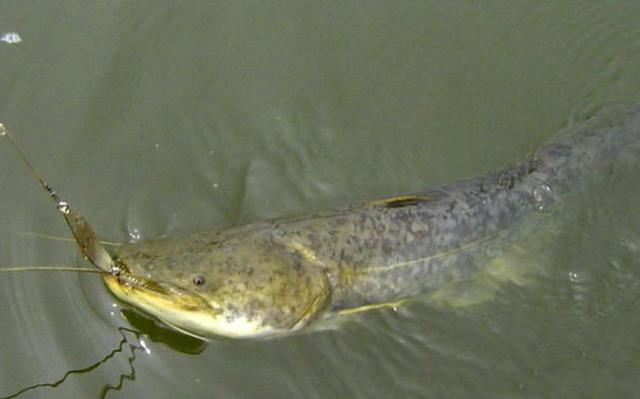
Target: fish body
277,276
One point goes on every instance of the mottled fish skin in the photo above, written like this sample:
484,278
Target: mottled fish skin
284,273
382,251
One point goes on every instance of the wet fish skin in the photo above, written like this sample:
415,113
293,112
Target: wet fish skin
277,276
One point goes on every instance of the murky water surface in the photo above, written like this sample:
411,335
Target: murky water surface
162,118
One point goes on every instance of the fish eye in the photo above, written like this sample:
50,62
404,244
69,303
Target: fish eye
198,280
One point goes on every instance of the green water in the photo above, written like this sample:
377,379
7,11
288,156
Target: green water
161,118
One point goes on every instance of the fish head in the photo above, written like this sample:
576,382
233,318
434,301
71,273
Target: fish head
244,287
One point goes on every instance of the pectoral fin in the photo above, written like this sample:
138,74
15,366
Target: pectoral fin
372,306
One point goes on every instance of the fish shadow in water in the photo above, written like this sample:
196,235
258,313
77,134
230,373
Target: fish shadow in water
159,333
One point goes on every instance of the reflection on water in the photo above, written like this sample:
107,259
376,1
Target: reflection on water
10,38
120,350
158,119
133,341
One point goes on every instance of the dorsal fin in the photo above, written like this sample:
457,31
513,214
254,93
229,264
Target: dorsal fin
400,201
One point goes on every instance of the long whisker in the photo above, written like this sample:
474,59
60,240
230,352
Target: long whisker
86,238
50,269
66,239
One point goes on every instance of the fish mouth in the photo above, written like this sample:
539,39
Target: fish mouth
184,311
153,296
